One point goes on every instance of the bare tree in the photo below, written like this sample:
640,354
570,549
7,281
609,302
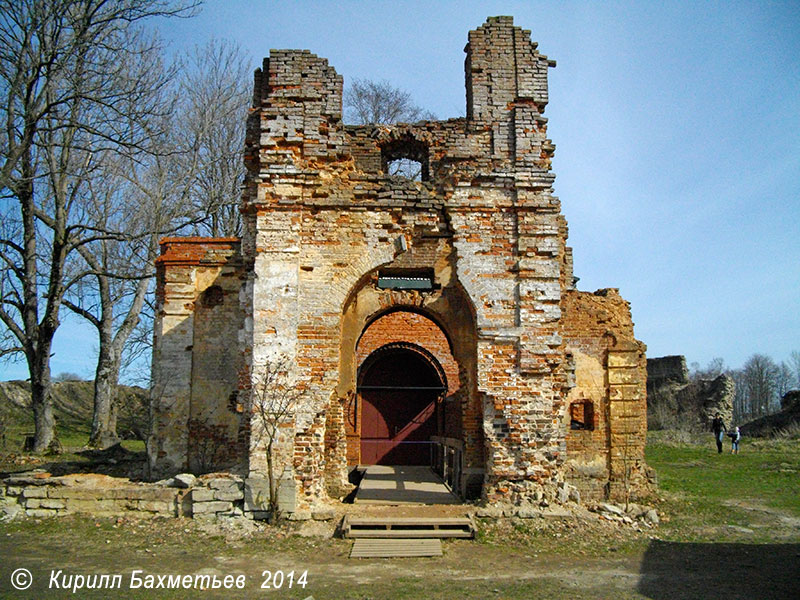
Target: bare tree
741,405
111,297
713,369
794,365
189,179
75,83
757,386
783,379
274,400
218,95
369,102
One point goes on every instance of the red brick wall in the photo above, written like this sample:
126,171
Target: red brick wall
414,328
598,331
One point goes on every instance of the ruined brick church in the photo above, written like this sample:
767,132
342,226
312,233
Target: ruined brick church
432,320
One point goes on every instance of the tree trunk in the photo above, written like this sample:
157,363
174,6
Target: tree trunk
106,381
36,339
273,484
42,402
104,417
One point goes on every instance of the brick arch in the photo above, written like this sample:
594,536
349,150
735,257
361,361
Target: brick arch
450,308
411,326
416,349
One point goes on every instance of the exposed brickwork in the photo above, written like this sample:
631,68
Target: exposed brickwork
323,221
610,373
198,416
404,326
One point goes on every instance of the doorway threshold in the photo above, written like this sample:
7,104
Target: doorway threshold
395,485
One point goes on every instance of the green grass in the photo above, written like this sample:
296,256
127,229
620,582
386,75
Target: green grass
764,471
72,410
71,433
706,496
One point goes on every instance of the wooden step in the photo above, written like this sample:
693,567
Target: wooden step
391,548
408,527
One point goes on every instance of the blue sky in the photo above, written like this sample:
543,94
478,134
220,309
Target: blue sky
677,144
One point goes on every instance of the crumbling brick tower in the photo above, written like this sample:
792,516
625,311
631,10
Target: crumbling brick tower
436,313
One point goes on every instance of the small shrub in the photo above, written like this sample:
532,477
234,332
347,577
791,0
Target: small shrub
790,432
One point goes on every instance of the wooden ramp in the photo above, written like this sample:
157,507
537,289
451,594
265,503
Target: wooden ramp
395,548
408,527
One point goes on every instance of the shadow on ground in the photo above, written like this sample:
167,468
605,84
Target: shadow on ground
115,461
673,570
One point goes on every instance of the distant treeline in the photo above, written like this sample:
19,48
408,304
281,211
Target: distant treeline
760,383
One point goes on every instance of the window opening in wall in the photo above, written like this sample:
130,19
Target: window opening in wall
405,167
405,280
581,414
407,158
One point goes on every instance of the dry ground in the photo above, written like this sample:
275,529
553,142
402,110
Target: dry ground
511,559
730,529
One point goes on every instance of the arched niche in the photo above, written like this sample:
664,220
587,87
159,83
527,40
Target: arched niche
449,307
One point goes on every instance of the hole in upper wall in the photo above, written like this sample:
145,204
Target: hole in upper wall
405,157
405,167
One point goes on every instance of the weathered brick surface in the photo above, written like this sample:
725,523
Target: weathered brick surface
322,221
607,459
198,417
404,326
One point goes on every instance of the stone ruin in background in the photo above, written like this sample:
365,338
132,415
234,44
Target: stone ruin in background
674,401
424,321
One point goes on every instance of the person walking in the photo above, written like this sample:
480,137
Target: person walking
735,436
718,427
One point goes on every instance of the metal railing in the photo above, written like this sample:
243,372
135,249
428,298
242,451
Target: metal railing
447,461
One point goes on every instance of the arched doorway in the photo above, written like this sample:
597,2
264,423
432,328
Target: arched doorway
399,386
442,322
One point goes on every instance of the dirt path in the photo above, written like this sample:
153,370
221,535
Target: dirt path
511,561
771,516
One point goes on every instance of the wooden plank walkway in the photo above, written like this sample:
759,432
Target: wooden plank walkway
403,485
391,548
408,527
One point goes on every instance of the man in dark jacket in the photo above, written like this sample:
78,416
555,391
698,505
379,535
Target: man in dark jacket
718,427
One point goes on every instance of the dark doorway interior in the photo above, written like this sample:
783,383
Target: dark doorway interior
399,387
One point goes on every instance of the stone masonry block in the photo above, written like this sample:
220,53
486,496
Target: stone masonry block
623,359
202,495
623,376
78,494
144,493
157,506
34,492
41,513
256,494
44,503
228,495
200,508
92,506
228,485
632,392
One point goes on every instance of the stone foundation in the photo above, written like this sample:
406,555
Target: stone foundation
97,495
211,496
